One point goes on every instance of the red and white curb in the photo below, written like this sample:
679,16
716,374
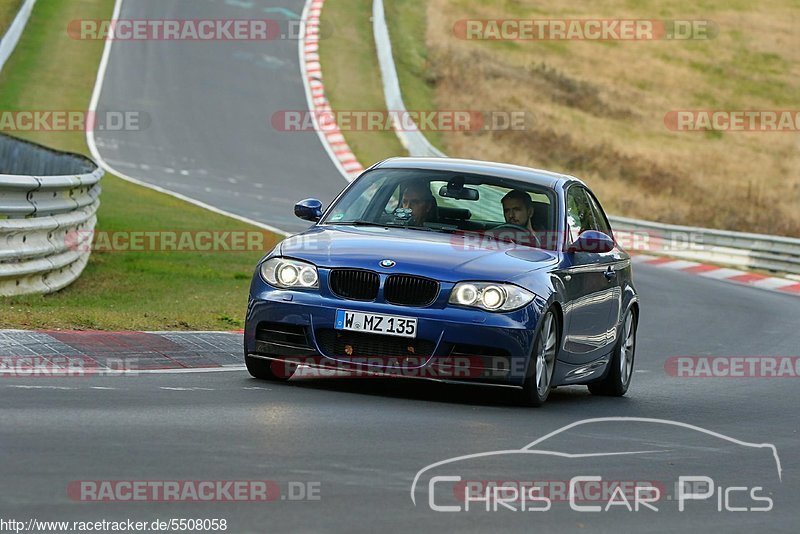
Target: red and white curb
70,353
772,283
127,352
329,132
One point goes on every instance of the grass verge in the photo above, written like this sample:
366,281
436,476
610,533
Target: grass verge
8,10
407,22
352,76
118,290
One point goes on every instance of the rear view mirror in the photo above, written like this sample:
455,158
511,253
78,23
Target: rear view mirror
592,241
309,209
459,192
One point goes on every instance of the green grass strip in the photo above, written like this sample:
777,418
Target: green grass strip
118,290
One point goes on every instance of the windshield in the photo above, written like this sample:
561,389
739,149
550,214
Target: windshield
449,202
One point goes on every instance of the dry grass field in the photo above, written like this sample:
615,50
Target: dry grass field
596,109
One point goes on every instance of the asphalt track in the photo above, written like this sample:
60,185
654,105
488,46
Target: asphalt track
363,440
206,109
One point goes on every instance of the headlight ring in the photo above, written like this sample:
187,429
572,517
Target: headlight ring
286,273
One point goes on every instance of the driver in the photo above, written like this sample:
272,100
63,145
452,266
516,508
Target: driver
518,209
417,196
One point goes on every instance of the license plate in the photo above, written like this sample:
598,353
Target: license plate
376,323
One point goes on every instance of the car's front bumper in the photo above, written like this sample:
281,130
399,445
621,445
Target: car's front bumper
452,343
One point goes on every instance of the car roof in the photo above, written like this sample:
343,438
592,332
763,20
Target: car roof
487,168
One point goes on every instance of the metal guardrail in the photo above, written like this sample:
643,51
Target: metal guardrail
755,251
48,207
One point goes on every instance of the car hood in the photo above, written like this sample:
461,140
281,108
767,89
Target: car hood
445,257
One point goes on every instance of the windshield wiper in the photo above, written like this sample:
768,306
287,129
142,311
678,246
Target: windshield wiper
379,224
355,223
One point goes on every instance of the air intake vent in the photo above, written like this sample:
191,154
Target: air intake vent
354,284
344,344
410,290
285,334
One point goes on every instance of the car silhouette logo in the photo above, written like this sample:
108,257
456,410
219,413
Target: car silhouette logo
550,446
388,264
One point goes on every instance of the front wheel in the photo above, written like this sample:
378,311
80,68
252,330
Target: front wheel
538,383
618,377
269,370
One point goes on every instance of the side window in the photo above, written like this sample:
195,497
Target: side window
579,213
599,216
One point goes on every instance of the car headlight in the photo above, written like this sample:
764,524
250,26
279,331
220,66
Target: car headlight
490,296
290,274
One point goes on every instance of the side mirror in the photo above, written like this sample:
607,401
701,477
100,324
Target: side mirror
309,209
592,241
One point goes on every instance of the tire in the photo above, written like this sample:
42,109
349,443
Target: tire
618,378
539,382
273,371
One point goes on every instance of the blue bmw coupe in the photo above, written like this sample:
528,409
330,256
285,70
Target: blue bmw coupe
450,270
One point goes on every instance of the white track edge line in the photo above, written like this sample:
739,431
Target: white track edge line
90,140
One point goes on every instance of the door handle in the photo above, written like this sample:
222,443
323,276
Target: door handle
611,274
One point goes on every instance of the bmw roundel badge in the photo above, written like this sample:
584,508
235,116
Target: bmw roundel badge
388,264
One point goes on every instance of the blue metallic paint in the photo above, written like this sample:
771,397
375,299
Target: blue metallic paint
590,291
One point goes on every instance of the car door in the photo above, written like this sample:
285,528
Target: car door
619,267
590,284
